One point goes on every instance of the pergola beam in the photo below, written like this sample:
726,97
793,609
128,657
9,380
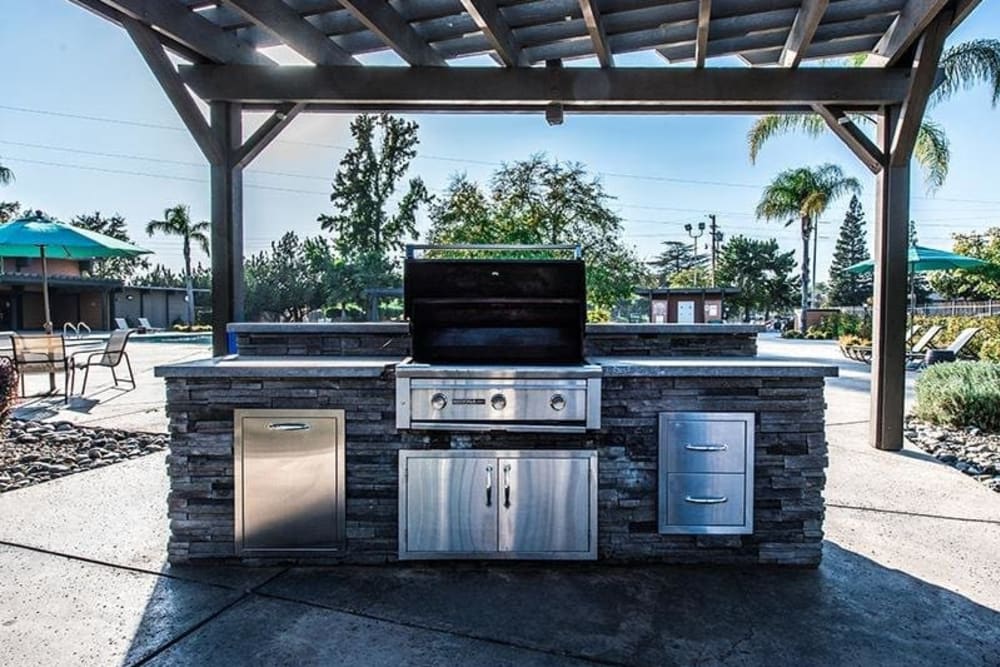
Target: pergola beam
487,17
152,52
299,34
483,89
856,140
701,41
266,133
803,28
925,68
908,26
186,27
592,19
380,17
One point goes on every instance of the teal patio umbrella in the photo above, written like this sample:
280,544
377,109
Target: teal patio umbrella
36,235
922,260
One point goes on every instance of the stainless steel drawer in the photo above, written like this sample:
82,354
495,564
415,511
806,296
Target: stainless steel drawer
704,445
705,500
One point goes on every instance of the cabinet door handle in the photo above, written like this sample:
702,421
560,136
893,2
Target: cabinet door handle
506,485
706,448
709,500
489,486
288,426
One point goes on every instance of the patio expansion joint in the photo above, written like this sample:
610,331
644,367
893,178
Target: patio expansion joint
246,595
444,631
881,510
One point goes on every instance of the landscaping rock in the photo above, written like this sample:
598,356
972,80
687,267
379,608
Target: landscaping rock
970,450
34,452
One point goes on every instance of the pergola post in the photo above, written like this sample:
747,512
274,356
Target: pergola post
227,223
892,219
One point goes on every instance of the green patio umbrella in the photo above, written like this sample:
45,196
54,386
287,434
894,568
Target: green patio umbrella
922,260
36,235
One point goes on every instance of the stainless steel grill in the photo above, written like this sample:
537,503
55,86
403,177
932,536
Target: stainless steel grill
497,344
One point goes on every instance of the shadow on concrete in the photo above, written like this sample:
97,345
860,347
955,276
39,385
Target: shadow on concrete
851,610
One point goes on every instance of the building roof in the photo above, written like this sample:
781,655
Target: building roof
669,291
59,281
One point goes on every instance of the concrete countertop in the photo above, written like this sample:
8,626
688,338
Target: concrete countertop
401,328
709,367
279,367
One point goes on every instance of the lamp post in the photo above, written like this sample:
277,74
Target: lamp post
694,242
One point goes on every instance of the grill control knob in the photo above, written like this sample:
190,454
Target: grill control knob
498,401
557,402
438,401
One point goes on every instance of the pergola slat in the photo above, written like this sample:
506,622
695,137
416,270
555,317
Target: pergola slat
379,17
487,17
911,22
701,42
592,18
300,35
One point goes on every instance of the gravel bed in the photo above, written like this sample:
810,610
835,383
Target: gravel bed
969,450
33,452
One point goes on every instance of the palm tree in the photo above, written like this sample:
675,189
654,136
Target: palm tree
177,222
804,193
964,65
6,175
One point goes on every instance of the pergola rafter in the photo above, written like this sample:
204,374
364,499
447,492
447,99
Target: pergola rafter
903,40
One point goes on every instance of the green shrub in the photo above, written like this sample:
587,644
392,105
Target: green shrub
853,339
989,350
791,333
960,394
8,388
196,328
818,333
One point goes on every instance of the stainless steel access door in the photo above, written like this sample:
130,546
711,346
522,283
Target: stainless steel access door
289,478
545,505
450,505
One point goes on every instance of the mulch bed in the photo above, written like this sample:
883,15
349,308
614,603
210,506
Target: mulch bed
969,450
33,452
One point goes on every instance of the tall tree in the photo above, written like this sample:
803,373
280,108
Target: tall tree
542,201
964,65
976,284
368,177
804,194
850,289
177,222
675,257
761,272
285,281
122,268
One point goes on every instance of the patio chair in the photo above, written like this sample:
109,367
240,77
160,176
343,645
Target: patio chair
957,346
146,327
863,353
111,356
41,353
121,324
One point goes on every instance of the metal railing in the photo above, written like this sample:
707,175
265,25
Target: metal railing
942,309
77,329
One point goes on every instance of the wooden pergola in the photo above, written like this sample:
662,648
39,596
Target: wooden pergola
529,40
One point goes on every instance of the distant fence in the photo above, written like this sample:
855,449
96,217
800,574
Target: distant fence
942,308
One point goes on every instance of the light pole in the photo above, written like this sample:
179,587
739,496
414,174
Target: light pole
694,242
716,236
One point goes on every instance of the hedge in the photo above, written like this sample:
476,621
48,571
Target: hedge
960,394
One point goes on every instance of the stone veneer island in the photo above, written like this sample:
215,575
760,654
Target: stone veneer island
647,369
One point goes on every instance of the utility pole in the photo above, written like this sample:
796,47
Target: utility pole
813,297
716,237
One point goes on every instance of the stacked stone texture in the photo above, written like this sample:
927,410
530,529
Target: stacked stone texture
355,344
790,460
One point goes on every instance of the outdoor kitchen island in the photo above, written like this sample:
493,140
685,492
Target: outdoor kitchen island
777,469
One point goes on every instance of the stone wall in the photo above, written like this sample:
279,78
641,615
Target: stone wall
789,465
393,340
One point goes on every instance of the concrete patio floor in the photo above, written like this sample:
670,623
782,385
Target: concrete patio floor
910,576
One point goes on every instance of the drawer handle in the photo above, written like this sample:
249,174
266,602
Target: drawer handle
697,500
706,448
288,426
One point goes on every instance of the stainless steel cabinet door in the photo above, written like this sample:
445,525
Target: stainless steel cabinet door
290,477
545,505
451,505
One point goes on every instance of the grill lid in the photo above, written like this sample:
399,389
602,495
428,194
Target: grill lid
495,311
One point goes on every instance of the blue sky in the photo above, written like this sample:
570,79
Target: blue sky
79,109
